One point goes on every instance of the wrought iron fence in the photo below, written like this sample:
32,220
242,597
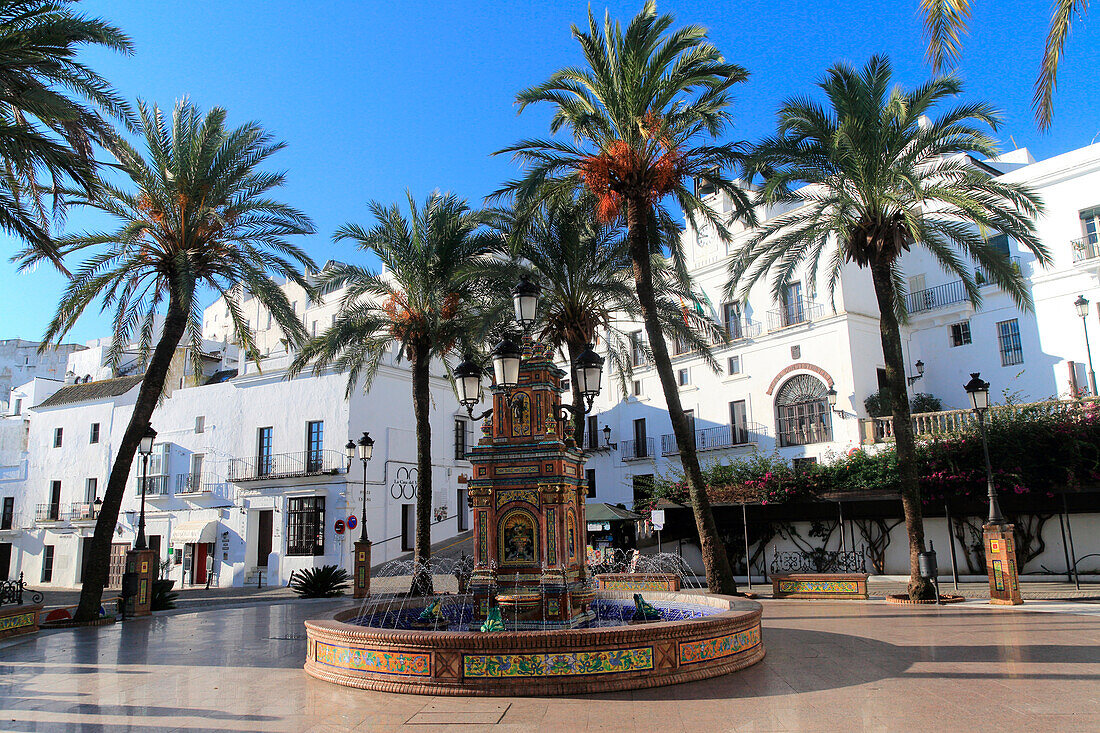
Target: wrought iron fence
48,513
636,450
285,465
820,560
191,483
1086,248
83,511
794,313
11,592
716,438
155,485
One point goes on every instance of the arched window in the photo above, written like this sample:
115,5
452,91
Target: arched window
802,412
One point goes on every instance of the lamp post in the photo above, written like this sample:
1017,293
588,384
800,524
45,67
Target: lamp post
145,447
1082,305
978,391
366,450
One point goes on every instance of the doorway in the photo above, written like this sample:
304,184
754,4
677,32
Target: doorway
408,525
118,564
5,560
463,510
263,537
198,562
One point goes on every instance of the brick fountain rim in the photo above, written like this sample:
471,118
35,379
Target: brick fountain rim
509,662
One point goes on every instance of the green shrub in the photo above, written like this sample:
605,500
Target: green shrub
327,581
924,402
877,404
164,597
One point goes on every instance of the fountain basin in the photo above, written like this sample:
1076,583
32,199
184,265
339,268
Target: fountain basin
553,662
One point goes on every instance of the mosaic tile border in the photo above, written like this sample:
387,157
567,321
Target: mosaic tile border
611,661
378,661
705,650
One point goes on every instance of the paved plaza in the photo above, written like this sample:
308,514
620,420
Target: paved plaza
830,666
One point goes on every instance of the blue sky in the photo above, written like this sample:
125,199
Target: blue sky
373,98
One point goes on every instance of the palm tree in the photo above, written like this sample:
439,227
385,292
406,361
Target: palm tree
642,113
50,105
198,216
583,267
424,302
946,20
868,178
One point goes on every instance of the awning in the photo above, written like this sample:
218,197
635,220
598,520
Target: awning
188,533
600,512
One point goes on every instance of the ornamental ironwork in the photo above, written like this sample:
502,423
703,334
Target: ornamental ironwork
820,561
11,592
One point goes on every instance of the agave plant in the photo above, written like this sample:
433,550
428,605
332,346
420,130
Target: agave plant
327,581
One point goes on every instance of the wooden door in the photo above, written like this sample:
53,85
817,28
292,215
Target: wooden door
198,564
263,537
118,564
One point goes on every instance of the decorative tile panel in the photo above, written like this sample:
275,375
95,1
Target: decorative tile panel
704,650
614,661
373,660
531,496
551,537
818,586
16,622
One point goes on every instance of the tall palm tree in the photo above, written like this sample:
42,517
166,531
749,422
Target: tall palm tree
643,113
425,302
50,112
868,178
584,270
196,215
945,21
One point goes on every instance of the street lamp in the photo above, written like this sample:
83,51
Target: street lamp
831,396
506,359
145,447
920,372
1082,305
978,391
468,380
365,447
587,370
607,438
525,300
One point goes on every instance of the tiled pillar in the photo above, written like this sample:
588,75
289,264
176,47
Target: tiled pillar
1000,562
143,564
362,569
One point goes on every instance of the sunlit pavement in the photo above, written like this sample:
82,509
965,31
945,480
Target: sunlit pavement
830,666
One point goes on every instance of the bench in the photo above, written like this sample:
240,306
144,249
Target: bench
839,575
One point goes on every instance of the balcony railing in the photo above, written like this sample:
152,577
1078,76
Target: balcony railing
940,296
1086,248
286,465
743,329
49,513
803,432
84,511
155,485
637,450
950,422
982,276
717,438
192,483
794,313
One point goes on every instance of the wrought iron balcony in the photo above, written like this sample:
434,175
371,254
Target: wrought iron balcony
742,329
982,276
637,450
191,483
718,437
85,511
794,313
1086,248
940,296
287,465
49,513
155,485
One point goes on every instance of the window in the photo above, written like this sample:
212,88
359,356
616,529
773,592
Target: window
55,501
802,412
313,330
733,365
566,385
801,464
460,439
8,515
999,243
640,447
47,564
1008,337
194,479
681,346
263,452
591,432
793,311
315,440
1087,247
636,388
94,437
739,423
18,407
269,320
200,423
637,349
408,526
731,319
57,437
642,486
960,333
881,374
590,482
683,377
305,525
91,490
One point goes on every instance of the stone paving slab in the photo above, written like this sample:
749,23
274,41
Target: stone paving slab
831,665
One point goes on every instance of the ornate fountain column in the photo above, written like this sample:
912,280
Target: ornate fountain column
527,494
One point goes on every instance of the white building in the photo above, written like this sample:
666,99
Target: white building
20,362
770,393
248,470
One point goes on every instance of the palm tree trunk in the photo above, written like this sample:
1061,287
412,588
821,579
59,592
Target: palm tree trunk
715,561
422,548
152,385
904,443
575,350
